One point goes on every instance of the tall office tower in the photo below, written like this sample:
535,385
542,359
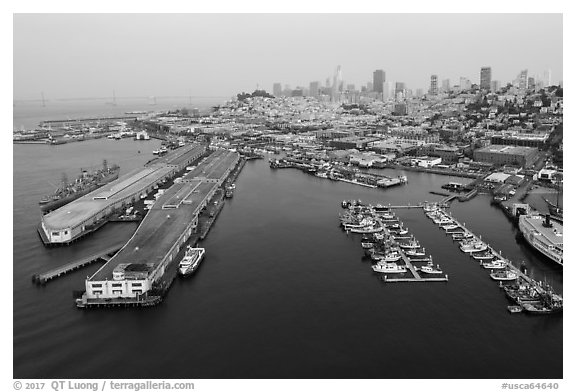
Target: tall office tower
277,89
434,85
287,92
494,86
523,79
350,87
446,85
386,86
465,84
419,92
378,80
314,89
337,80
327,82
531,83
547,78
400,87
370,86
485,78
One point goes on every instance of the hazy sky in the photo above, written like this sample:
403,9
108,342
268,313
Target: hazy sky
90,55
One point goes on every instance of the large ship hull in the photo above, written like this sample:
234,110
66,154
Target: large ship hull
55,204
530,234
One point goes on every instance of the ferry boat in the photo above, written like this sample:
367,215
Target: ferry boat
191,260
544,235
390,268
82,185
504,275
450,227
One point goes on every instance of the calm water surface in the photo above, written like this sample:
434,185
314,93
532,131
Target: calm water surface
283,292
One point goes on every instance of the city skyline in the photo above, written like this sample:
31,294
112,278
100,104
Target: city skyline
160,54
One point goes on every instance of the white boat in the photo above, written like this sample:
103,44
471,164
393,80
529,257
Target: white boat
445,222
414,252
191,260
390,268
410,245
504,275
388,256
450,227
496,264
429,269
370,229
482,256
367,245
473,246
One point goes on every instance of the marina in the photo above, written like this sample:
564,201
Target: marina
387,247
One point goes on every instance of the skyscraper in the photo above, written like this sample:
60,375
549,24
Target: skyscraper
446,85
378,80
337,83
485,78
494,86
434,85
314,88
386,91
523,79
277,89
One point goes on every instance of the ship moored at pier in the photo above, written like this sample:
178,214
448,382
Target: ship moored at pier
89,212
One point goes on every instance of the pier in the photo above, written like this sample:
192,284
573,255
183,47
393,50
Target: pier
69,122
102,255
510,266
89,212
141,273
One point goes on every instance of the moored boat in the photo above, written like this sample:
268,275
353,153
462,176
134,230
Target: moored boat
191,260
391,268
504,275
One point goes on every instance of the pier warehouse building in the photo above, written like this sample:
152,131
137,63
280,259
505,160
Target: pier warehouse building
507,155
89,212
142,262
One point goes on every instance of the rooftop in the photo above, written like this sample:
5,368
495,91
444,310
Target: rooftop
499,149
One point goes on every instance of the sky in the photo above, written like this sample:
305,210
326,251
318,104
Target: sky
139,55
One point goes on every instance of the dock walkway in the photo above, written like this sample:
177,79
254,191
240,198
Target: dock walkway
77,264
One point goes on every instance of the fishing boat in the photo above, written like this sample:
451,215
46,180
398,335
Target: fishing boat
429,269
482,255
387,257
367,229
410,245
415,252
495,264
504,275
472,246
390,268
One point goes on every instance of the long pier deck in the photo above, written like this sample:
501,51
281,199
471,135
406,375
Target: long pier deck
102,255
